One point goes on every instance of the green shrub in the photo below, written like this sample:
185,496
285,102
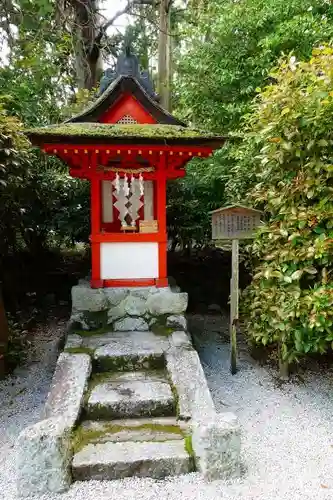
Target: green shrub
290,301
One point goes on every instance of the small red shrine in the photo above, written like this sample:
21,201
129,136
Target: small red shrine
128,146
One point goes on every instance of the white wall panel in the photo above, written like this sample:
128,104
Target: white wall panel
107,206
129,260
148,200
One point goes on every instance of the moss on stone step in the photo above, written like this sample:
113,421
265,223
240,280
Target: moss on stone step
82,436
175,396
190,451
91,333
80,350
130,362
96,319
160,328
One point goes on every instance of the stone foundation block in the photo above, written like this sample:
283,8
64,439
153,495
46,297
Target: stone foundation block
85,298
43,458
100,308
217,443
73,341
167,302
68,385
131,325
44,450
180,339
177,321
187,375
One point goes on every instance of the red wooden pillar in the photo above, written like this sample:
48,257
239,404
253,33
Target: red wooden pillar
96,281
161,217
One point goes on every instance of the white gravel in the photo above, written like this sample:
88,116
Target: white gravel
287,444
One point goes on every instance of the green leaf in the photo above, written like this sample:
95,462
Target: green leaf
310,270
297,275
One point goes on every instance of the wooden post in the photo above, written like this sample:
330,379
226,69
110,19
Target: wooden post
234,305
4,334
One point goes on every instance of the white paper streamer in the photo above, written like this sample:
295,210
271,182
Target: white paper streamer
141,185
126,186
117,184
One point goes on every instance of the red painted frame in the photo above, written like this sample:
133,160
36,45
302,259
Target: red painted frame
127,105
91,161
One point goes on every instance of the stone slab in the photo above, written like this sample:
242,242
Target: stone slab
115,295
141,429
73,341
177,321
167,302
133,394
129,350
96,340
217,445
131,324
187,375
69,382
43,456
44,449
85,298
180,339
142,459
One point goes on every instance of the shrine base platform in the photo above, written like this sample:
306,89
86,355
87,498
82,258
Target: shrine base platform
127,309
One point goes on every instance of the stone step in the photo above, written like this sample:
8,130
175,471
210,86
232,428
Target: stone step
139,429
129,394
127,351
117,460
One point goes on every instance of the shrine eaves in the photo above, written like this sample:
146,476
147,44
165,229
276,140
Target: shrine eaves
127,146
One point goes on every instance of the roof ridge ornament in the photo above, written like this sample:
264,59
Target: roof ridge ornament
128,66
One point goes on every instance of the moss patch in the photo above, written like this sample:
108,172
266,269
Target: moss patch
91,333
160,328
80,350
82,437
100,378
189,446
129,363
175,397
189,449
96,319
135,131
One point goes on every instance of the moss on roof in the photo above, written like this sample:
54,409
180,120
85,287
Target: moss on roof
135,131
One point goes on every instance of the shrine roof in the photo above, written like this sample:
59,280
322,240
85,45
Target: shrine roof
99,133
125,84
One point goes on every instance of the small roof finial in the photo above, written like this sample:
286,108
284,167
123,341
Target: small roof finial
128,38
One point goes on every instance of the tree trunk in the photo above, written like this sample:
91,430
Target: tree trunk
144,56
163,87
87,47
169,67
4,334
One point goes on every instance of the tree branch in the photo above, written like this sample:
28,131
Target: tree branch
126,10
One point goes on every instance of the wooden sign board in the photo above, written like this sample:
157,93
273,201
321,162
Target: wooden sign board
234,223
148,226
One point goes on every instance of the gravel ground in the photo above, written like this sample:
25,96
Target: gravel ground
287,443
